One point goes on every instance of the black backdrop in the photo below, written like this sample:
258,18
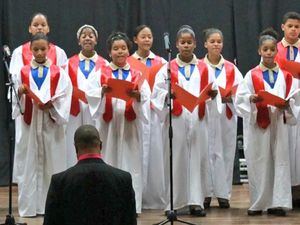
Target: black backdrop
240,20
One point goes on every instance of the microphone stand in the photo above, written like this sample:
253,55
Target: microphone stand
10,220
171,214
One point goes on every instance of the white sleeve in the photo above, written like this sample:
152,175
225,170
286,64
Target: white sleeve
62,99
61,57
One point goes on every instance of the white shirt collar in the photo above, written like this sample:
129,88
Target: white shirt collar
264,68
93,58
286,44
137,56
115,67
182,64
219,65
35,64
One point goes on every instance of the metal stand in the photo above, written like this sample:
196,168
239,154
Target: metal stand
10,220
171,215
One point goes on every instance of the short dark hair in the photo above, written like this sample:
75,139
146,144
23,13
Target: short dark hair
185,29
39,36
290,15
115,36
86,136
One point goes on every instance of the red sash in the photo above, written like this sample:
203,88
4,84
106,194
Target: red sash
27,54
106,72
73,68
230,77
25,74
203,71
282,51
263,119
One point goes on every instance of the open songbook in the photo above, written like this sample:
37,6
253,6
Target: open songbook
274,100
228,91
188,100
36,99
120,88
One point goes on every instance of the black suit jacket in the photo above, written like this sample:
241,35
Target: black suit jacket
91,193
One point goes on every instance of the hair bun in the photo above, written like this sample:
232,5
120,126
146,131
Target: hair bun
269,31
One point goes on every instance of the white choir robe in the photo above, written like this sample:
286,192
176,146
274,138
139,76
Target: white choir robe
190,145
16,63
41,146
294,141
122,139
266,150
84,116
153,157
221,139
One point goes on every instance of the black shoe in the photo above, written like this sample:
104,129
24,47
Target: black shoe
197,211
207,202
277,211
254,212
223,203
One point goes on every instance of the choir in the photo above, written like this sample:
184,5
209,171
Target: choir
126,98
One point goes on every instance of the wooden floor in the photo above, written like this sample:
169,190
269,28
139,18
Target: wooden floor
237,214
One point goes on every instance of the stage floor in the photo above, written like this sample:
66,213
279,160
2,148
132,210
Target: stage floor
237,214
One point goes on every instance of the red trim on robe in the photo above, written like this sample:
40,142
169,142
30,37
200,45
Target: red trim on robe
129,112
73,66
27,54
263,118
25,76
230,77
203,71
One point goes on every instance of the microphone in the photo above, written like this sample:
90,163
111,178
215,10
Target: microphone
167,41
6,51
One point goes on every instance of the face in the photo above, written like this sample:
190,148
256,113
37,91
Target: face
186,45
291,30
214,44
144,39
39,50
39,24
87,39
119,52
268,51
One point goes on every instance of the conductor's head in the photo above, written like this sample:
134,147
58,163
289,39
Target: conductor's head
87,140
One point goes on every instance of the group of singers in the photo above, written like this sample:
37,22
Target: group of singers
58,94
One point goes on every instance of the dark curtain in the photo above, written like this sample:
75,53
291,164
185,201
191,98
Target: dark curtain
240,20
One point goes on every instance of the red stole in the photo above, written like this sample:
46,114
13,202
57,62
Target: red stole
203,71
73,68
25,75
106,72
263,119
230,77
282,51
27,54
156,61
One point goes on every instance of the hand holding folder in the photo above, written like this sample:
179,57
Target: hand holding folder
228,92
119,88
188,100
37,100
270,99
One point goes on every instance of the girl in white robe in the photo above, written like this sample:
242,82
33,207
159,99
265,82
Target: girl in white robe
222,121
266,130
190,146
121,121
21,56
41,147
82,68
153,166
